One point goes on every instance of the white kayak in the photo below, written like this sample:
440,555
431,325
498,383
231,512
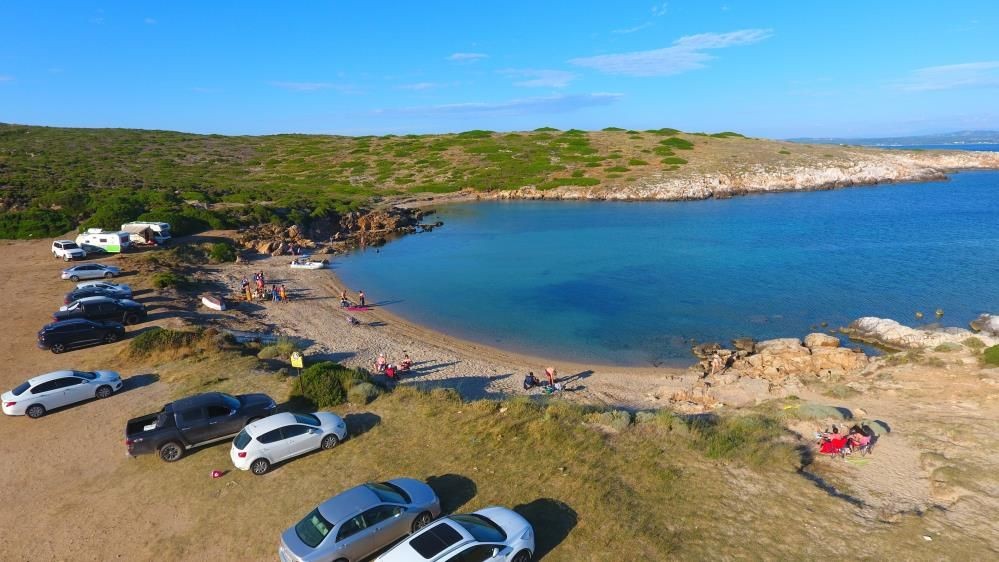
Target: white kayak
213,302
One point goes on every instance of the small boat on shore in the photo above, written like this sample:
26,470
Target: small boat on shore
213,302
308,263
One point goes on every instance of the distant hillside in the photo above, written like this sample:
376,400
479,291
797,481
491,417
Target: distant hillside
959,137
53,180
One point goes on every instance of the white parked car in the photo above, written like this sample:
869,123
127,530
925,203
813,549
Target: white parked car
492,534
43,393
282,436
119,289
67,250
90,271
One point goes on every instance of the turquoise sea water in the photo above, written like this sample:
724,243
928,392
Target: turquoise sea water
633,283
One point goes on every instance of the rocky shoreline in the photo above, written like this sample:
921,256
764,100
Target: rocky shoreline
863,168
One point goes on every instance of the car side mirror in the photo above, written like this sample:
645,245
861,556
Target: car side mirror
496,551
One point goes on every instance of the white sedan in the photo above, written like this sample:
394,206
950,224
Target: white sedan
90,271
493,534
283,436
120,290
43,393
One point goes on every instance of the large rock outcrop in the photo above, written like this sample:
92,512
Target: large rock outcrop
888,333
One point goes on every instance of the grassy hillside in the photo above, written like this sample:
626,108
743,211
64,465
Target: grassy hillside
53,179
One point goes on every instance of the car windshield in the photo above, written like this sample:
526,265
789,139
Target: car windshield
434,540
231,402
307,419
481,528
19,389
389,493
242,440
313,529
85,375
69,246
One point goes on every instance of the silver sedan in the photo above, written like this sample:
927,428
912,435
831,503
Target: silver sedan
90,271
360,521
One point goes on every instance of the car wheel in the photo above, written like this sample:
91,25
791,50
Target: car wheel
74,278
104,391
522,556
330,441
111,337
130,319
422,520
58,348
171,452
108,275
260,466
35,411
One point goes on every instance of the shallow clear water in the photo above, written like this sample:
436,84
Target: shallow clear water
634,283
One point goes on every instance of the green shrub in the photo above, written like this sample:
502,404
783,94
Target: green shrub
222,252
476,134
948,347
326,383
809,411
618,420
727,134
269,352
973,343
578,173
158,339
673,160
991,355
664,132
751,438
618,169
34,223
558,182
612,129
782,151
170,279
677,143
637,162
363,393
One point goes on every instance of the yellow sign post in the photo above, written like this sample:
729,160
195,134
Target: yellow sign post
297,360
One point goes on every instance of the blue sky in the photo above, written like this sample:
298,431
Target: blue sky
776,69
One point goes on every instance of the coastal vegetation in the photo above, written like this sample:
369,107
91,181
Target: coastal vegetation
53,180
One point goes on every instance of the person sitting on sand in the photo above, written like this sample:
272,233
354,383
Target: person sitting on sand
531,381
390,371
344,301
353,321
380,363
406,363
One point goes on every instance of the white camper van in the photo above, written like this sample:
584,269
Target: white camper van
111,242
148,232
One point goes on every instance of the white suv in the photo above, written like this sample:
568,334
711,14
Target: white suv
67,250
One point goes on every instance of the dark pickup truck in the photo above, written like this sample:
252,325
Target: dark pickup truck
194,421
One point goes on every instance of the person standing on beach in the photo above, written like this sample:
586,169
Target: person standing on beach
360,297
551,374
284,295
275,295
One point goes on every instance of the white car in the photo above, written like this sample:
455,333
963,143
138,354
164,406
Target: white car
492,534
282,436
120,290
67,250
43,393
90,271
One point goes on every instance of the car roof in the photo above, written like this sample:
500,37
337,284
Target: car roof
271,422
64,241
95,298
347,503
36,380
70,321
197,400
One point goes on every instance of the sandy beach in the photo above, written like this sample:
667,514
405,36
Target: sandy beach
313,314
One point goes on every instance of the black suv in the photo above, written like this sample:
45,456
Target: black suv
78,332
103,308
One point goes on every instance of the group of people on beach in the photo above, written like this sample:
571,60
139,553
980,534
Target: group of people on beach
391,370
859,438
531,381
345,300
258,290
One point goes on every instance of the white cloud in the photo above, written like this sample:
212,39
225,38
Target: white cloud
523,106
659,10
686,53
953,76
645,25
149,21
313,86
534,78
467,57
420,86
